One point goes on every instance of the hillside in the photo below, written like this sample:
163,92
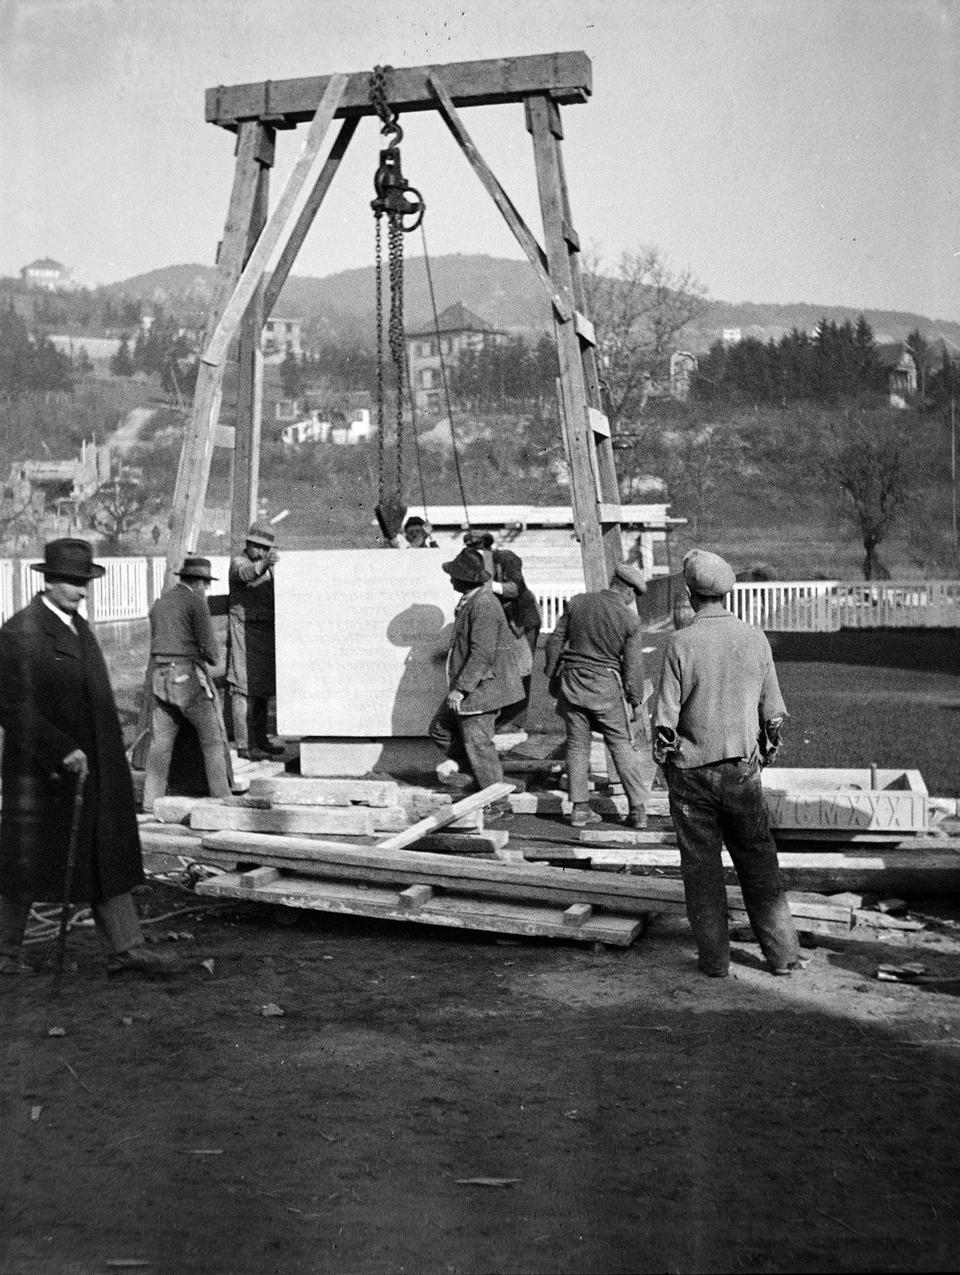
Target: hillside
506,294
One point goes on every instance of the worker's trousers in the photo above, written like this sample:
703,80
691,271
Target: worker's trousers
718,804
610,719
117,924
467,739
249,714
181,693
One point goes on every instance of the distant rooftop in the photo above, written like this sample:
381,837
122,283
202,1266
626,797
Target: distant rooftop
456,318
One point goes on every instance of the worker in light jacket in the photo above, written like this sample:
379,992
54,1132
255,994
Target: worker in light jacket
483,677
716,722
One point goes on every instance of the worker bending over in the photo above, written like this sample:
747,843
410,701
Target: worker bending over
594,664
716,722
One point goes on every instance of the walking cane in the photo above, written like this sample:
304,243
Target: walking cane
68,879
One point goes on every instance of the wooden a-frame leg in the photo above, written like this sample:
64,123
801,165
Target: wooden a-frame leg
246,451
586,478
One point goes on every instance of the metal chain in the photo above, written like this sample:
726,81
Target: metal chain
378,94
380,405
396,336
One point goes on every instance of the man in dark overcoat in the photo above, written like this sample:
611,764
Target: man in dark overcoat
59,720
482,675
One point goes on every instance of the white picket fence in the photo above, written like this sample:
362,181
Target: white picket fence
825,606
798,606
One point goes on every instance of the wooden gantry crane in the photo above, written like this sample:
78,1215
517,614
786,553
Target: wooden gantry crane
244,298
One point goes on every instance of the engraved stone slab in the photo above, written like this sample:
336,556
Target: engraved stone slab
362,637
843,800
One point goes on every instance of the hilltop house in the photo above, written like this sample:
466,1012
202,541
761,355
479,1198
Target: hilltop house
901,369
47,274
280,338
457,329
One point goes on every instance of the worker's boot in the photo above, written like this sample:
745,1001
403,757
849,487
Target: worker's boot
581,815
143,960
636,819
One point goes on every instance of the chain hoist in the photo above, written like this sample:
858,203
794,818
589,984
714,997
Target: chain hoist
398,200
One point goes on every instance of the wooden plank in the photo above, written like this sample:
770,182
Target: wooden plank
252,274
259,877
249,413
496,916
297,790
309,211
577,913
599,422
475,876
584,476
626,837
584,328
415,896
225,436
489,842
476,801
303,820
193,472
521,232
566,76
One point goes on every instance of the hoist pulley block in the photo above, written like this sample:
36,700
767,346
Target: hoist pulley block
395,195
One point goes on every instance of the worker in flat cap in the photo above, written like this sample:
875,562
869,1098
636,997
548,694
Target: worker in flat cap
520,607
183,650
251,643
482,675
595,668
417,534
716,722
61,730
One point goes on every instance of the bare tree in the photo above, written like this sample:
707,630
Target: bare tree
119,508
872,467
640,311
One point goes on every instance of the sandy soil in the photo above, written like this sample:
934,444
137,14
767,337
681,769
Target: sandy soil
638,1116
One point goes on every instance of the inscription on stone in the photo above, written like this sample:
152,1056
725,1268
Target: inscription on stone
362,637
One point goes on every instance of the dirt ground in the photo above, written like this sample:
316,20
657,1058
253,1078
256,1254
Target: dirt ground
633,1115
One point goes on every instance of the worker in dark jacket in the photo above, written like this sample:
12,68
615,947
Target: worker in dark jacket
251,649
482,675
183,646
60,720
716,721
522,612
595,667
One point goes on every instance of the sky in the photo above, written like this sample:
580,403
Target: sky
785,150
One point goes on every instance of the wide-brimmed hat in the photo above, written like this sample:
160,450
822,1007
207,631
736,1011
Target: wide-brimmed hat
195,569
707,574
632,576
69,560
467,567
474,539
261,533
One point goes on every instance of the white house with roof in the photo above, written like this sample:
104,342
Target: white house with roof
47,274
281,336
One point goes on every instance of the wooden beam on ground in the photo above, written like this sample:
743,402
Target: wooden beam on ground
424,905
279,221
521,232
309,211
299,790
357,821
450,814
566,76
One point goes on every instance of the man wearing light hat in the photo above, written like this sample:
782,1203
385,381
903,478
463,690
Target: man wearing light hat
183,646
251,646
716,722
595,666
60,724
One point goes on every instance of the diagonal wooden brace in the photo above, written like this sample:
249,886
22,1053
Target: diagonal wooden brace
524,236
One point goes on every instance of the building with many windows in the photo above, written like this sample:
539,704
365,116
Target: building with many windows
47,274
432,348
280,338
